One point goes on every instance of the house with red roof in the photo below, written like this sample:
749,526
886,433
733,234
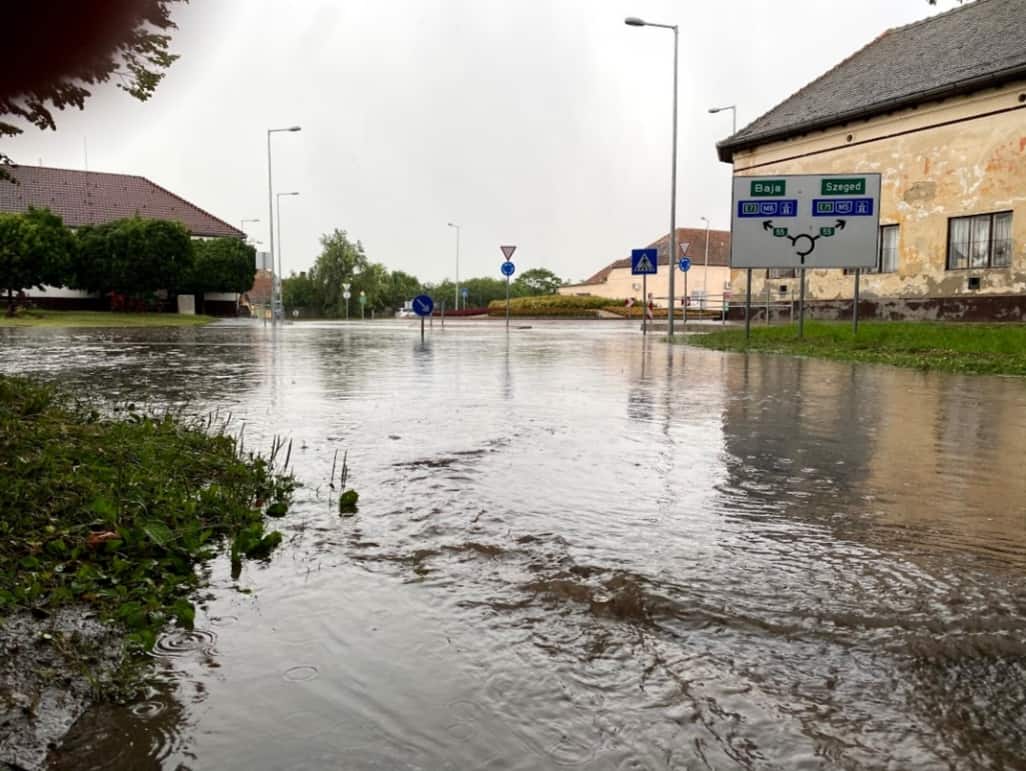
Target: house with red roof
93,198
709,277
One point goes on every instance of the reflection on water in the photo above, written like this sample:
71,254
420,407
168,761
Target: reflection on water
579,548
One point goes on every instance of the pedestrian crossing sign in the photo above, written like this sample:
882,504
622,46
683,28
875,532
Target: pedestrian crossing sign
644,262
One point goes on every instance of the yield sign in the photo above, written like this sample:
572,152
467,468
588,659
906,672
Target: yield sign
507,251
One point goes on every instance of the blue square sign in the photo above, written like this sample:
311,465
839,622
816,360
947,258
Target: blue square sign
644,262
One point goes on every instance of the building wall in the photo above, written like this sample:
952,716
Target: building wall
620,285
949,159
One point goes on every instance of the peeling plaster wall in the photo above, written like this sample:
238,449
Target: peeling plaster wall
954,158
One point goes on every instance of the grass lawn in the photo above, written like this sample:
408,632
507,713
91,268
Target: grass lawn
998,349
47,318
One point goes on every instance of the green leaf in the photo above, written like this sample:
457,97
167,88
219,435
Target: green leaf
184,611
347,501
159,533
278,509
104,508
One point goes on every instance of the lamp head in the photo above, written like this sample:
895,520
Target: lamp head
634,21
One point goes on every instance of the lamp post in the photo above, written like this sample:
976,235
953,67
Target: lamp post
733,115
705,269
243,225
270,217
748,273
634,21
453,225
281,265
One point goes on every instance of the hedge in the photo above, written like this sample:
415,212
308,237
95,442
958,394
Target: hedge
551,305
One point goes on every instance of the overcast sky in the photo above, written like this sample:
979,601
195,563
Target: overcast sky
540,123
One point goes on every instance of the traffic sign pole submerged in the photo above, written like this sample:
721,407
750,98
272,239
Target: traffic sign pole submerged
507,268
643,263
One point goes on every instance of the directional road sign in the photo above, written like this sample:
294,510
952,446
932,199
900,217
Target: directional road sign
423,305
507,268
644,262
684,264
464,291
807,220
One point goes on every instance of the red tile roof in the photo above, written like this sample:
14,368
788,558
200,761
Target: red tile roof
93,197
719,251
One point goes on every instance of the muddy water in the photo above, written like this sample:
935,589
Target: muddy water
576,550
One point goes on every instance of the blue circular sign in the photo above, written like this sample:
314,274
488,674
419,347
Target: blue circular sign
684,264
423,305
508,268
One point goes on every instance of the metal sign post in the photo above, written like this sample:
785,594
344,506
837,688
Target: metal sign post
748,305
685,266
801,303
644,304
855,305
423,306
643,263
508,269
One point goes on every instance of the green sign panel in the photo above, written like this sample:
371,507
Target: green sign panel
844,186
827,232
780,232
769,187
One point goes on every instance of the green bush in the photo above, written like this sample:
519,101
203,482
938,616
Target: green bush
553,305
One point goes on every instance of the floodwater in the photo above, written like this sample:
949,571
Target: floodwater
578,549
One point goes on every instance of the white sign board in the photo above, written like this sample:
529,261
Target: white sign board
263,261
807,220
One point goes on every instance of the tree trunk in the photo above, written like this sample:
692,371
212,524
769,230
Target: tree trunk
10,303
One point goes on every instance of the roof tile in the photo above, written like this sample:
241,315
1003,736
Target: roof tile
937,56
92,198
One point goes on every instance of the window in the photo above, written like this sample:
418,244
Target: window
886,252
887,259
980,241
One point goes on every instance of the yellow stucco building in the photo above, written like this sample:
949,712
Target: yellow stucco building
938,108
708,280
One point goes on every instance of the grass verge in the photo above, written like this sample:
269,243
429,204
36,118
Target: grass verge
993,349
118,513
48,318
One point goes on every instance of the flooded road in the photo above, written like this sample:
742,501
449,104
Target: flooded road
577,549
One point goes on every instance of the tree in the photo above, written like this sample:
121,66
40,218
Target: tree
221,265
537,281
399,288
340,261
133,256
59,53
35,249
301,292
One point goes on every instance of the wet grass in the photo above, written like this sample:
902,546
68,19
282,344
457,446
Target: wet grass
992,349
48,318
117,514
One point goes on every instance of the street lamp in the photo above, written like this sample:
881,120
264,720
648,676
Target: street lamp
634,21
270,214
733,115
243,228
453,225
705,270
281,266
